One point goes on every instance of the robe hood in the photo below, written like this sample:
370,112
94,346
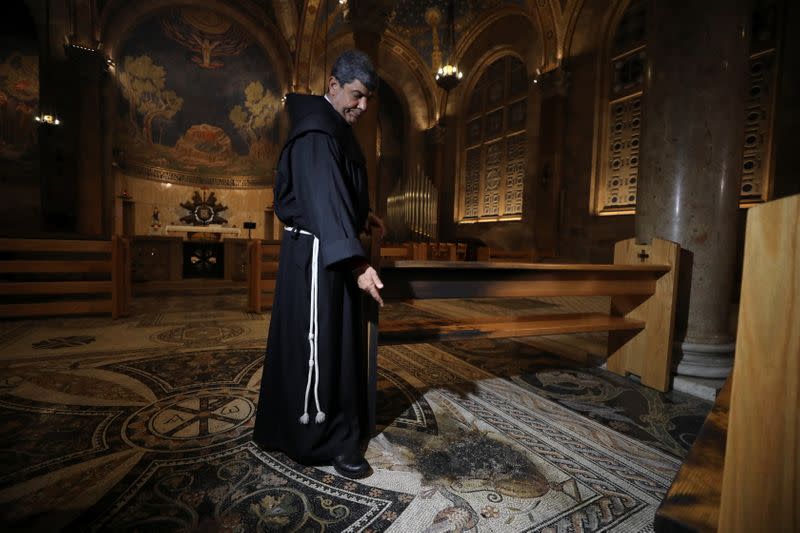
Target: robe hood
308,112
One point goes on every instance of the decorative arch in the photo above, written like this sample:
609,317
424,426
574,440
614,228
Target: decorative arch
227,137
617,123
547,14
522,37
400,66
471,35
119,17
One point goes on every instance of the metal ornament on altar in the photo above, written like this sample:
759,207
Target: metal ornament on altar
203,211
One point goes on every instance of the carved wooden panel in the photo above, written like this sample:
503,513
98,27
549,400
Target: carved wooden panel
622,149
495,144
494,173
758,131
516,159
472,183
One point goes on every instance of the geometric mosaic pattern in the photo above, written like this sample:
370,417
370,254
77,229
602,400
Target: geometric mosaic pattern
488,435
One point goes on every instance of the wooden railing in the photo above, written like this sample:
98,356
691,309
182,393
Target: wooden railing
742,473
44,277
262,271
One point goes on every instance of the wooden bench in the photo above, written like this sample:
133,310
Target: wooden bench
742,473
641,284
407,250
487,253
46,277
262,272
448,251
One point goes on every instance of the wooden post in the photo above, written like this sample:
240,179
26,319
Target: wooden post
419,251
120,277
372,315
254,276
647,353
117,286
760,482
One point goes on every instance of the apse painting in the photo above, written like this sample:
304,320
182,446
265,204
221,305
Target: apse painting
19,99
424,23
200,102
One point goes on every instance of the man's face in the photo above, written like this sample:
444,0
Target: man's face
349,100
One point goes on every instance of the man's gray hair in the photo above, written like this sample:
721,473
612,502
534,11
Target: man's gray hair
355,65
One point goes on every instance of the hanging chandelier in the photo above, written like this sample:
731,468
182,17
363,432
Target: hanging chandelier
448,75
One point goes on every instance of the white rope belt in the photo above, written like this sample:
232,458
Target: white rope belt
313,361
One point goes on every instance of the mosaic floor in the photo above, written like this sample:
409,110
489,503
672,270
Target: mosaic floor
143,424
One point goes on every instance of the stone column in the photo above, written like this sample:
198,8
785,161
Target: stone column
366,129
548,131
691,160
89,68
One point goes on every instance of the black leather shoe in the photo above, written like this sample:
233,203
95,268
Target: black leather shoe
352,465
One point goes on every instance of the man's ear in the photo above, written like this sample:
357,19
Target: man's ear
333,85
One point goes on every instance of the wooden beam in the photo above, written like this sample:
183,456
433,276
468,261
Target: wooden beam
269,267
8,288
50,245
56,308
42,266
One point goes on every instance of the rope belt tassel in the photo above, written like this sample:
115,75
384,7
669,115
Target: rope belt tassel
313,352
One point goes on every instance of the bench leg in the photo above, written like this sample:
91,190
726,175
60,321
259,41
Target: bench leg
647,353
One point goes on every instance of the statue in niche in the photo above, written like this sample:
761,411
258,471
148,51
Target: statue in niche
155,221
203,211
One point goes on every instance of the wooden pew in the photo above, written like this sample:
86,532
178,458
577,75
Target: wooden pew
742,473
487,253
397,251
450,251
641,282
262,272
49,277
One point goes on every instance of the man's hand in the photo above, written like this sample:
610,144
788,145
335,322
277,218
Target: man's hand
369,282
374,221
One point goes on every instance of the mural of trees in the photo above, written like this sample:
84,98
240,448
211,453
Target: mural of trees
254,120
205,33
19,98
143,84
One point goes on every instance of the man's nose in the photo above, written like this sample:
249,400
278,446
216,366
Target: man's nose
362,103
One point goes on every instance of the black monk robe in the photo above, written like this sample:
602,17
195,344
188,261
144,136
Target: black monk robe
321,189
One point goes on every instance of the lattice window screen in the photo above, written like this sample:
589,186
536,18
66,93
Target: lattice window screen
495,144
760,110
617,175
618,170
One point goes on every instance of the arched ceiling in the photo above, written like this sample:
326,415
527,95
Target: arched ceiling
301,32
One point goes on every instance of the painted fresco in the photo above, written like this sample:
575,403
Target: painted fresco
19,98
200,102
414,21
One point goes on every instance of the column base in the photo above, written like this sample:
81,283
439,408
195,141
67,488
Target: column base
704,388
704,360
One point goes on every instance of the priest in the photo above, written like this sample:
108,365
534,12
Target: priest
313,404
